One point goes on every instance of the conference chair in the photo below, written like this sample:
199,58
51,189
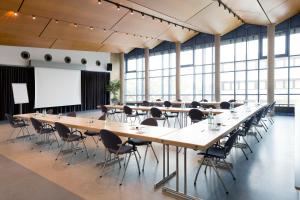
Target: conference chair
45,131
114,146
17,124
244,131
140,142
158,115
71,114
224,105
174,115
146,103
218,152
204,100
195,104
50,111
195,115
257,122
74,138
270,112
94,134
129,113
232,101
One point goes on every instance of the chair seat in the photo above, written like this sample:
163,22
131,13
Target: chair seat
138,142
195,120
171,115
142,113
122,150
214,152
74,137
20,124
91,133
47,130
159,118
132,115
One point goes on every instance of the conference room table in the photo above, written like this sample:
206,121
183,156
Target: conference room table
183,111
198,136
216,104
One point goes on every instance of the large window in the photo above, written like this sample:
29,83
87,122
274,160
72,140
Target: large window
134,80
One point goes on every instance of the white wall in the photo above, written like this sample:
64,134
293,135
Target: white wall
10,55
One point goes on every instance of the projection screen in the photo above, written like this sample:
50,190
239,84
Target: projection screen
57,87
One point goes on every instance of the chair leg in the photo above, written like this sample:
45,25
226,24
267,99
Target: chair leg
145,157
244,153
247,145
138,153
118,160
229,168
11,134
258,132
137,162
196,177
125,168
104,165
216,170
60,150
86,151
154,153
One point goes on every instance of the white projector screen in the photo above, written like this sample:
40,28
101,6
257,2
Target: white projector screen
56,87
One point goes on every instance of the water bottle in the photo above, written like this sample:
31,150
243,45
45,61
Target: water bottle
209,117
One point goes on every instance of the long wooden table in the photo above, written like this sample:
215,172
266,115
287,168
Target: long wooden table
179,103
198,136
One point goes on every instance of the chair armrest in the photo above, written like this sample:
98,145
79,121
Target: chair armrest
77,131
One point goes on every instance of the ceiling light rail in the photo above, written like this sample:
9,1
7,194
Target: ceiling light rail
230,11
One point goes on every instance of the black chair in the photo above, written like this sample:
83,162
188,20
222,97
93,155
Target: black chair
44,130
113,145
174,115
129,113
107,112
245,130
70,137
93,134
195,104
270,112
71,114
139,142
257,123
158,115
146,103
204,100
224,105
17,124
196,115
232,101
218,152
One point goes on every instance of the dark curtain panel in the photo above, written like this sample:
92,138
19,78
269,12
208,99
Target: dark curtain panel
9,75
93,90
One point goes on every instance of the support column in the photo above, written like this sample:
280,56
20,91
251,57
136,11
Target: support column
122,73
146,74
217,68
178,48
271,58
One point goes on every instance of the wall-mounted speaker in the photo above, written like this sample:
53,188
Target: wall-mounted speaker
83,61
25,55
67,59
98,63
48,57
109,67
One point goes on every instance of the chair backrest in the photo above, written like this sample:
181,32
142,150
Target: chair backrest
10,119
103,117
231,140
37,125
103,108
167,104
127,110
110,140
155,112
260,114
196,114
145,103
62,130
248,124
224,105
150,122
50,111
195,104
71,114
232,101
204,100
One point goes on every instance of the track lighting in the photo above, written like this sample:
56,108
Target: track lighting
33,17
75,25
131,12
143,15
91,28
118,7
99,2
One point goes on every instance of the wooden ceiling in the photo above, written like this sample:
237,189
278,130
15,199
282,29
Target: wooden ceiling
87,25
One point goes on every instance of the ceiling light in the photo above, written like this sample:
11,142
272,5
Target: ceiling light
131,12
56,21
153,17
99,2
104,30
118,7
15,14
33,17
143,15
75,25
91,28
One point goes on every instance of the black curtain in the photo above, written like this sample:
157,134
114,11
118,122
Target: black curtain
93,90
14,74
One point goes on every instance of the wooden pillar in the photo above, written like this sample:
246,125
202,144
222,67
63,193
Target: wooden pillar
146,74
122,74
271,57
178,48
217,68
